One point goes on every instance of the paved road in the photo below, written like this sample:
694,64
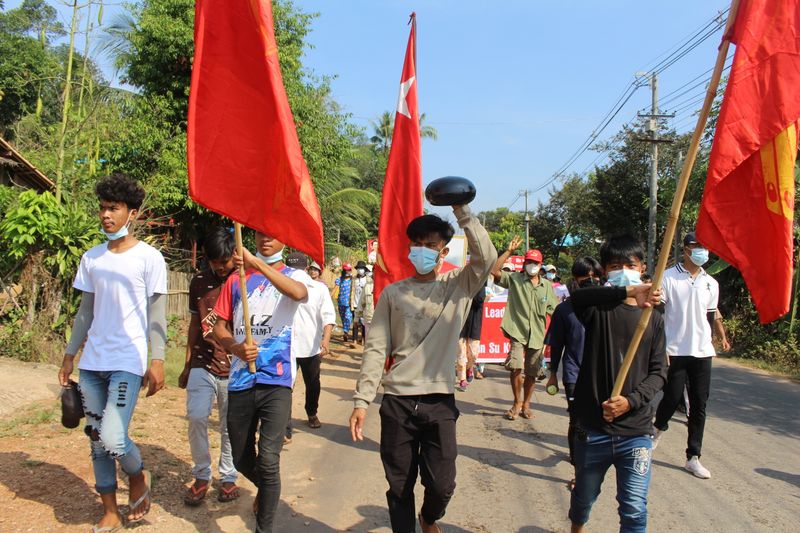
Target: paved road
512,475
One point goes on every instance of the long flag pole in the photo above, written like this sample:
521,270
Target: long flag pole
248,333
677,201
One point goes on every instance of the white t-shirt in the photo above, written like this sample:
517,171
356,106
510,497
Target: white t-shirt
310,319
685,316
121,284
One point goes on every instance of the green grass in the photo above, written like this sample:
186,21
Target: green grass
30,416
173,364
774,368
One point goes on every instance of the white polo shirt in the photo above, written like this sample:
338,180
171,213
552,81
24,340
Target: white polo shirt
310,319
687,303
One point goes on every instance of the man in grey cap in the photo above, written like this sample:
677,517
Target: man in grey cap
312,327
690,318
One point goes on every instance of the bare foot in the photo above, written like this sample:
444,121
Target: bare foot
111,519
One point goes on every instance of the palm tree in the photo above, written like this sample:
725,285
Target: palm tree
384,128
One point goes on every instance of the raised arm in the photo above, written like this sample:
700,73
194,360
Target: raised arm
498,265
482,255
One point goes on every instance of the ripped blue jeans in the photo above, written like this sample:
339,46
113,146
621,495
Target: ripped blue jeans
631,457
108,401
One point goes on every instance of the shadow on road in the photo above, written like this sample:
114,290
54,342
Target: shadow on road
755,399
171,474
32,480
792,479
512,462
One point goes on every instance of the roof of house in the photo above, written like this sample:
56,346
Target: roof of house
23,172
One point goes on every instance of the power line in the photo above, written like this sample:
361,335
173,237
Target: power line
692,42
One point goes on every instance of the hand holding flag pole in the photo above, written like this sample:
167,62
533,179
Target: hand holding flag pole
677,201
248,332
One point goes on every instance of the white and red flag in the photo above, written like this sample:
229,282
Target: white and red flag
402,187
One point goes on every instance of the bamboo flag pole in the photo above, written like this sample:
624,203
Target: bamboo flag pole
677,201
237,228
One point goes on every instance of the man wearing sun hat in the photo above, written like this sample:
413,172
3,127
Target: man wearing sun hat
530,300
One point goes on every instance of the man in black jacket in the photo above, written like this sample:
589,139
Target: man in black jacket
616,430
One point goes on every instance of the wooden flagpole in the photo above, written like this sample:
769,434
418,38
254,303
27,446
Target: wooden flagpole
243,290
677,201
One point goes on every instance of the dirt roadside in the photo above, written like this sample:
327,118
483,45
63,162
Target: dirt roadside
511,475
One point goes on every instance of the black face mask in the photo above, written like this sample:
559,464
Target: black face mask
589,282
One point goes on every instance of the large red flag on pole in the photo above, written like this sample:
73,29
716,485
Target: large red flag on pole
747,212
401,201
244,155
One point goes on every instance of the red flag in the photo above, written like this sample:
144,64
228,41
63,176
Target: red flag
402,188
746,216
244,155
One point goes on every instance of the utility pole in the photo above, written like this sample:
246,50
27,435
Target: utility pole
652,127
527,221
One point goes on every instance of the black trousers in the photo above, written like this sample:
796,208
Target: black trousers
418,434
569,389
310,368
264,408
697,372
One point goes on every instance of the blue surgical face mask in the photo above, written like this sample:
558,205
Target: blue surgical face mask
120,233
423,259
699,256
550,275
271,259
624,277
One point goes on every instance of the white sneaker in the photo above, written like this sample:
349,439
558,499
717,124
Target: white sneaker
656,438
693,465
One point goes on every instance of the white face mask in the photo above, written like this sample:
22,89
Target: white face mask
532,269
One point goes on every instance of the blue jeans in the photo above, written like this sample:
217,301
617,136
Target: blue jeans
108,401
202,389
632,457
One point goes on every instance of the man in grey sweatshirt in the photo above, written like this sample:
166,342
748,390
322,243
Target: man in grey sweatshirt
414,338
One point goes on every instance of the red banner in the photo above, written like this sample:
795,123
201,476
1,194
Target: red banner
494,345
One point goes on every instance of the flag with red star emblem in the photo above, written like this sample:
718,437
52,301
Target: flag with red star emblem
401,201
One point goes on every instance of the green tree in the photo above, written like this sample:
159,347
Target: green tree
383,129
26,65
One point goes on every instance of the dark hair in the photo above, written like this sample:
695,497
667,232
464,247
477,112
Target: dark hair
219,244
421,227
120,188
621,248
583,266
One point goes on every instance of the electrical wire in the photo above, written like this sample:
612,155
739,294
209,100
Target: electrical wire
678,52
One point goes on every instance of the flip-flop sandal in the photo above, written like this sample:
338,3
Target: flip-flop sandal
195,495
512,413
526,413
148,480
227,495
110,529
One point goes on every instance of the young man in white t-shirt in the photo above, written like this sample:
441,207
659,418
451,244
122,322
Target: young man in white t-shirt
311,337
122,312
690,296
261,401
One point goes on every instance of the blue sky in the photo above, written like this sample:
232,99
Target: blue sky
512,87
